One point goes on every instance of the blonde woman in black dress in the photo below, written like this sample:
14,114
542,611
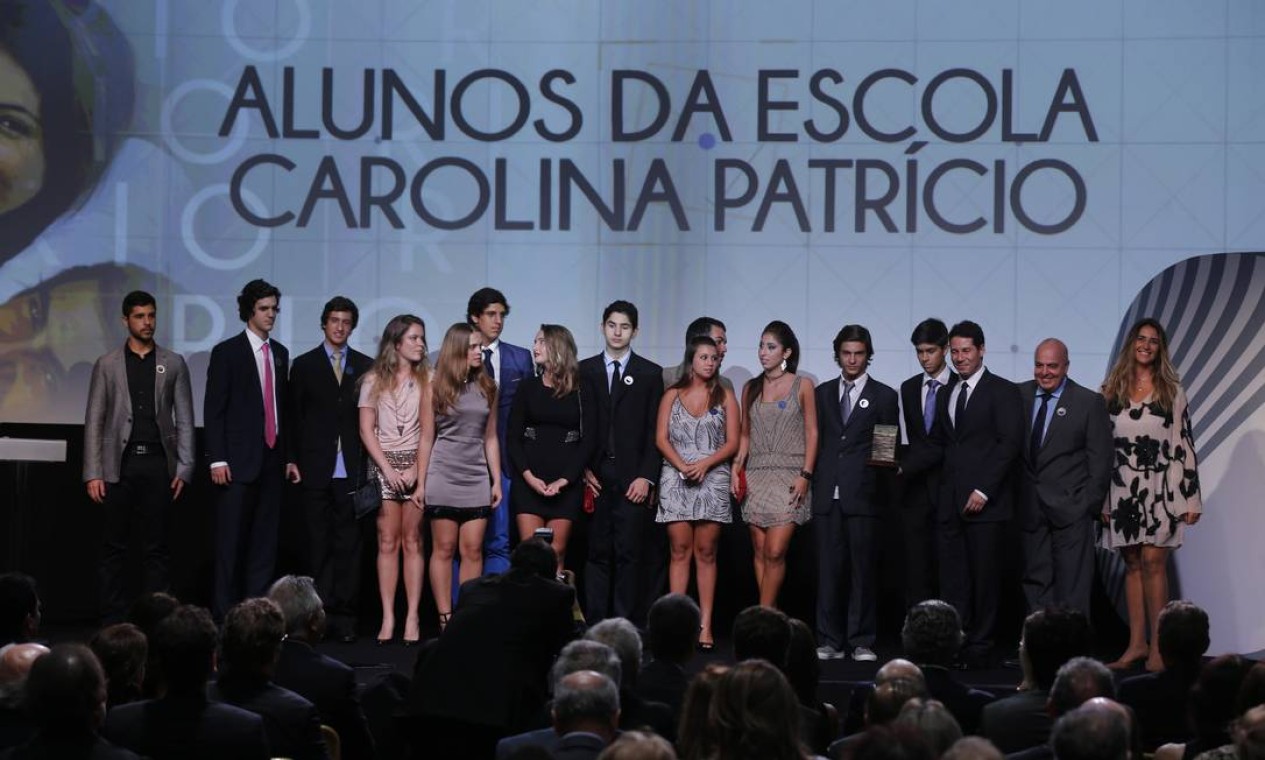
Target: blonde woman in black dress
1155,488
551,431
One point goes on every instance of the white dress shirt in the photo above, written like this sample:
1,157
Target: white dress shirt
942,378
256,344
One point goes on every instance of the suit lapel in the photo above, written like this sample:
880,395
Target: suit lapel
161,360
617,393
977,389
1054,426
832,389
248,356
119,368
597,369
860,409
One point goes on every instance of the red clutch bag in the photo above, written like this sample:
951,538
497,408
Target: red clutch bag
741,491
590,501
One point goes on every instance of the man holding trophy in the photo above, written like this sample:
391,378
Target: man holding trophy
856,420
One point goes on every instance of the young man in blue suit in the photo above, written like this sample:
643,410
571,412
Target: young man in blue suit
508,365
848,497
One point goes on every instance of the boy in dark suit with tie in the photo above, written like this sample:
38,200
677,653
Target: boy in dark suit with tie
919,491
625,471
977,436
245,420
325,452
848,497
508,365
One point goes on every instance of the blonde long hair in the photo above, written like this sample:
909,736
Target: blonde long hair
1116,388
388,359
561,366
452,370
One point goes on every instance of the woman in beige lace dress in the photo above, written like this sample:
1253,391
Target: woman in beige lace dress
777,450
390,427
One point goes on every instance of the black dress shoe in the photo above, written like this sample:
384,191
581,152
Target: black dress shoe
347,638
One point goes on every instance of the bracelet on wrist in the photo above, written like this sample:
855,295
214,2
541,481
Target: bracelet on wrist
805,474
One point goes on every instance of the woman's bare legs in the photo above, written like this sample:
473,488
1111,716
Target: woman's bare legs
706,535
776,541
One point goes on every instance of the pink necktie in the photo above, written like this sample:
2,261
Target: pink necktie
270,408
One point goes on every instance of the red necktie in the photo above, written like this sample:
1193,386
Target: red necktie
270,407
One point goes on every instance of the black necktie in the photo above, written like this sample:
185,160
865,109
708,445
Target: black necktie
616,379
487,363
1038,427
960,407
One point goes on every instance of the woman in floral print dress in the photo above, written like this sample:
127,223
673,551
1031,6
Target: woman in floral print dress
1155,487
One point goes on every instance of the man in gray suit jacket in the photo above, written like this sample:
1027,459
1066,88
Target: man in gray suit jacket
1067,461
138,449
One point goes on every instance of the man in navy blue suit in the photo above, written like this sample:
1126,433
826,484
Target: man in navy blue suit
326,451
508,365
848,497
920,492
976,437
244,413
623,473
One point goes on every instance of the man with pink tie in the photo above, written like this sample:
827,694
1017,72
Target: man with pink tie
244,417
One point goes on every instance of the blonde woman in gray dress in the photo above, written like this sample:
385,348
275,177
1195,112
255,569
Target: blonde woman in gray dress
390,427
697,433
459,459
776,453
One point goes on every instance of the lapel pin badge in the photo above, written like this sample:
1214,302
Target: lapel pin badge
160,369
864,403
628,380
1062,411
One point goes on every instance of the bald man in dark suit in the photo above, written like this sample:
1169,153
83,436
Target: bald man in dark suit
1066,473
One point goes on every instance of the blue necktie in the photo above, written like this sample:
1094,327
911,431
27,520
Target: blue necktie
1038,427
845,401
929,408
487,363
